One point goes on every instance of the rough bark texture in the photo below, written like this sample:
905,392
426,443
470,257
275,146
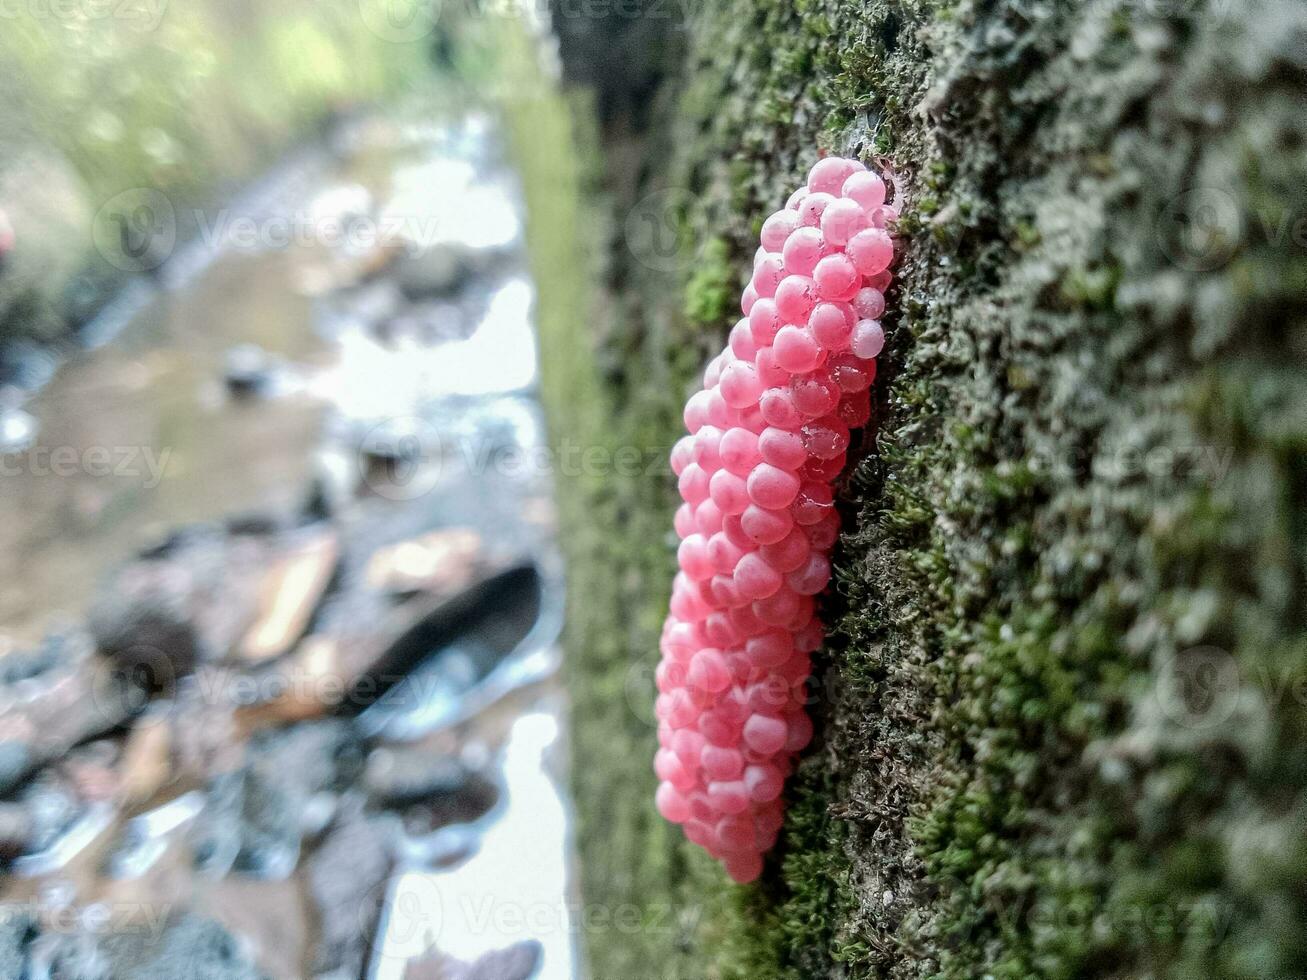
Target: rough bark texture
1062,712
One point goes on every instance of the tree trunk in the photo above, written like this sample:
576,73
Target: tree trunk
1062,709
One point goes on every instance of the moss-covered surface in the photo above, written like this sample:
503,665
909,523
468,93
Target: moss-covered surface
1062,712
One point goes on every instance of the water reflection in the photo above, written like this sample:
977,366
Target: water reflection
381,398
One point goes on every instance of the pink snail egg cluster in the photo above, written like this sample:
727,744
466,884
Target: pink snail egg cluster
768,434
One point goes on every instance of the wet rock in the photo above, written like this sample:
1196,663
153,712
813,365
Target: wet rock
16,833
426,273
16,761
93,771
347,877
25,365
248,370
517,962
290,592
184,603
439,561
489,640
55,649
190,948
258,816
147,759
216,838
397,776
18,927
71,704
146,838
51,805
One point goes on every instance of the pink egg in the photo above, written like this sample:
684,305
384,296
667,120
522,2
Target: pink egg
796,351
740,385
764,321
772,487
852,373
803,250
884,216
737,835
766,275
696,411
789,553
866,188
841,220
868,339
707,518
739,451
869,303
763,783
765,734
721,763
814,394
723,554
754,578
780,608
748,298
744,867
831,325
742,344
708,671
855,409
782,447
692,556
769,435
685,522
728,493
795,298
825,439
766,526
706,443
776,229
682,454
728,796
871,251
811,578
828,175
837,278
693,484
812,207
771,374
769,649
800,733
778,410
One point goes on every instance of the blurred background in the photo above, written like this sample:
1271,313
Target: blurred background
342,346
282,598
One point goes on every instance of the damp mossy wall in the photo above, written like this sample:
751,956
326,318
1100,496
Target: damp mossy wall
1062,710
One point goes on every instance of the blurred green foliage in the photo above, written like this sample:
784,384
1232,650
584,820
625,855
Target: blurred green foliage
98,97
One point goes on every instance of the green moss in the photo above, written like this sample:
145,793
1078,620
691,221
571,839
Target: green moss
1055,736
711,291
